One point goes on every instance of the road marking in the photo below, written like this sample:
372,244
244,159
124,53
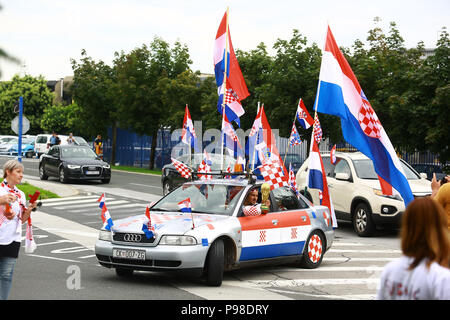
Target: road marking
345,259
68,198
87,205
54,242
52,258
364,251
314,282
145,185
330,296
329,269
138,206
91,201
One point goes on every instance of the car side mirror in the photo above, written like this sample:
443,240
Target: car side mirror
342,176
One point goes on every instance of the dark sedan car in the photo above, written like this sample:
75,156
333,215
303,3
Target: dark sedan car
73,162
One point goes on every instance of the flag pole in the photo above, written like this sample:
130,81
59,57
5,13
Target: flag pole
190,147
256,141
224,84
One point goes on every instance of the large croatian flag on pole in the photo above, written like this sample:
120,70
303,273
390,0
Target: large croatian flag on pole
340,94
233,88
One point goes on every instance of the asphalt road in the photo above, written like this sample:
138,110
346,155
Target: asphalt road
64,265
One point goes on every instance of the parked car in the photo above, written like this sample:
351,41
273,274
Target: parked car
6,139
356,193
216,236
171,178
73,162
294,159
27,147
429,169
5,148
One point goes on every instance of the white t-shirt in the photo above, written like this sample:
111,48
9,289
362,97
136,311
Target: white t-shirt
421,283
11,230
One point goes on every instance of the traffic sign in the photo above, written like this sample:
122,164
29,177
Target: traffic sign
25,125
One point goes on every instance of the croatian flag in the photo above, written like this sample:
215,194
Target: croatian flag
147,225
294,139
333,155
236,89
205,167
341,95
106,217
188,133
318,180
303,117
231,140
292,181
185,205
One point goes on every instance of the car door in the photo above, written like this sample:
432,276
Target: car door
341,190
281,232
53,161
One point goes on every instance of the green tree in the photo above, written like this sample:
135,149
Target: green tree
36,97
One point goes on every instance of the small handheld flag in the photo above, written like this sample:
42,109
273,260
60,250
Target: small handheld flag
106,217
303,117
147,227
186,206
333,155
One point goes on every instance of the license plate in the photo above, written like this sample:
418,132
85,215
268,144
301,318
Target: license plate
129,254
92,172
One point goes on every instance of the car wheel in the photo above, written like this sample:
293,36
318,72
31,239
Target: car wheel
124,272
314,251
215,263
166,187
42,174
106,180
62,175
29,154
362,221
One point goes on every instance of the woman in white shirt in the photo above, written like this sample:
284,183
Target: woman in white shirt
13,212
422,273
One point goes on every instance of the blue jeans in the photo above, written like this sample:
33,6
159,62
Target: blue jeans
6,273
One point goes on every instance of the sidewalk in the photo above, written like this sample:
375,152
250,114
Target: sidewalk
60,189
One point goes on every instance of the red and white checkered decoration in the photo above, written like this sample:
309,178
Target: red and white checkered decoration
251,211
262,236
315,248
273,174
231,96
204,168
182,168
368,121
317,129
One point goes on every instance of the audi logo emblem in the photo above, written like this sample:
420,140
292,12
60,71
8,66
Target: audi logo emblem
132,237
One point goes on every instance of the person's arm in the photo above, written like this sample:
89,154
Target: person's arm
434,186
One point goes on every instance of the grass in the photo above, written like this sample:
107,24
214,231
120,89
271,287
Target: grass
136,169
30,189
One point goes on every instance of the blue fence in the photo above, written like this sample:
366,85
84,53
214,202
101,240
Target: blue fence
134,150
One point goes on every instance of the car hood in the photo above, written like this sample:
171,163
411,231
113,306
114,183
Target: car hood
418,187
167,223
85,161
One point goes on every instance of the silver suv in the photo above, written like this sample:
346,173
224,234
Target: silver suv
356,193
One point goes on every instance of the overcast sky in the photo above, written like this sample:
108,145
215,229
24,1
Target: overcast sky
46,34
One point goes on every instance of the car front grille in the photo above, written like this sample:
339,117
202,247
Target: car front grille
132,238
87,169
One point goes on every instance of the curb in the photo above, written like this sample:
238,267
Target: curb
59,188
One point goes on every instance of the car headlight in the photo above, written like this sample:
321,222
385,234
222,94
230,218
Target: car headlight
106,166
104,235
73,166
380,193
178,241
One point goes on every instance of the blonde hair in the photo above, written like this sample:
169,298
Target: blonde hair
424,233
11,165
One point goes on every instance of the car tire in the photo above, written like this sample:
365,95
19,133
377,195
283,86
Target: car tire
362,220
62,175
166,187
106,180
42,174
215,263
29,154
125,273
314,251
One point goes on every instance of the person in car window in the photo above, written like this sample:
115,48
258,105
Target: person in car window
422,273
251,205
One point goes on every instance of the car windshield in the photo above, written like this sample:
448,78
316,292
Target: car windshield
78,152
27,140
205,198
365,170
215,161
80,140
292,158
